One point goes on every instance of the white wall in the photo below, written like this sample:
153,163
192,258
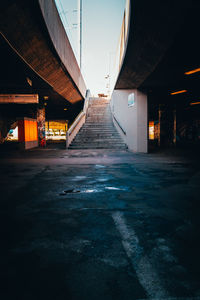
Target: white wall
132,119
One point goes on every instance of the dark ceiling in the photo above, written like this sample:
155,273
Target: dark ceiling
13,79
182,56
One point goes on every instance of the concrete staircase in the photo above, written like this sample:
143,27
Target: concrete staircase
99,131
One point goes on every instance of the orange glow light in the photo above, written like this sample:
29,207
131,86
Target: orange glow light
151,130
192,71
194,103
178,92
30,130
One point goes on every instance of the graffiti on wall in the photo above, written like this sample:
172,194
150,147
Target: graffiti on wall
41,127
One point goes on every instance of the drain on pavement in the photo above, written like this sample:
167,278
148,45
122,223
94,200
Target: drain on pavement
71,191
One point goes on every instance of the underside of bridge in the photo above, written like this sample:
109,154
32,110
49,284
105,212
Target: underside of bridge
161,50
36,59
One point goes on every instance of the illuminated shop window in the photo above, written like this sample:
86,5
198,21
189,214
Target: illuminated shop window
56,130
151,130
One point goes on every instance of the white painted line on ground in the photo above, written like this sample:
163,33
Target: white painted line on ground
174,298
146,274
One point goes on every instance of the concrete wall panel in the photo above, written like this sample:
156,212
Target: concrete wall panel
133,119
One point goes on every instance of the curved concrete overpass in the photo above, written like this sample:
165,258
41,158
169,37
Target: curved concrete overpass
35,32
152,28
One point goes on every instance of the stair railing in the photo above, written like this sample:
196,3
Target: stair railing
119,125
78,122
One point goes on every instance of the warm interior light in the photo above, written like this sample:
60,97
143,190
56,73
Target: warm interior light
178,92
194,103
192,71
46,97
151,130
29,81
30,129
65,108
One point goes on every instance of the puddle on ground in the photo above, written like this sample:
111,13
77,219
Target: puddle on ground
99,166
113,188
90,191
79,178
102,179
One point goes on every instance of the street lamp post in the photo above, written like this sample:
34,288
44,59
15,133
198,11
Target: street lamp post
80,10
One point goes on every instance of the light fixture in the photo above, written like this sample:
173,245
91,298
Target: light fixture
192,71
29,81
45,104
65,108
46,97
178,92
194,103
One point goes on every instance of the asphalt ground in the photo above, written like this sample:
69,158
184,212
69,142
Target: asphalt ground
99,225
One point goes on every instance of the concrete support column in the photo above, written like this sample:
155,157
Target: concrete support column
129,108
174,131
167,121
41,126
159,118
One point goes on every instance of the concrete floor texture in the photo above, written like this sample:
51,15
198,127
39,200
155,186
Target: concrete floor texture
99,225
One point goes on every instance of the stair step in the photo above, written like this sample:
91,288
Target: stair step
95,137
97,147
99,127
102,120
98,130
97,141
100,124
99,135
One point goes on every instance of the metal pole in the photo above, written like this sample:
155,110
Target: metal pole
81,33
80,8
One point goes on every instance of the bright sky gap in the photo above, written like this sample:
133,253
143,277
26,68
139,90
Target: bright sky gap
101,21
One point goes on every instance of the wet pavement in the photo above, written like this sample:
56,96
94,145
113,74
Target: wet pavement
99,225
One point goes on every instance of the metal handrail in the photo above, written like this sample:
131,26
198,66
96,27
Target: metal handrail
124,132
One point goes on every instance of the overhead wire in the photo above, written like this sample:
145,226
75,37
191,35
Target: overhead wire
66,24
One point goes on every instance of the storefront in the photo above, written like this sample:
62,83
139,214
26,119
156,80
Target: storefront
56,130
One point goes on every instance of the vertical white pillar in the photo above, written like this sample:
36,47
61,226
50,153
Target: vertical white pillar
132,118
